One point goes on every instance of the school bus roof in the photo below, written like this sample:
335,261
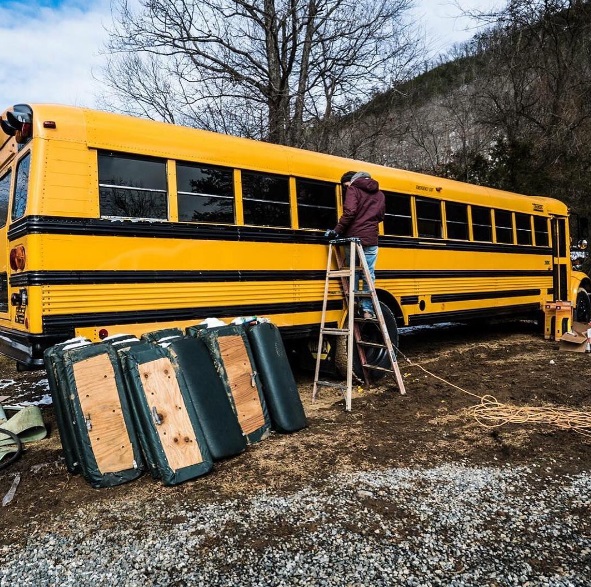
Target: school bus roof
117,132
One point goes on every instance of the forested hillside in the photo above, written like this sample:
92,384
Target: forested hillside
511,109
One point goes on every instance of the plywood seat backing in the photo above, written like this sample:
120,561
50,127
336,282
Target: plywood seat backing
94,419
167,421
233,359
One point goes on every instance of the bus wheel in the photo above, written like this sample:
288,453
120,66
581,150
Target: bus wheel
370,332
583,307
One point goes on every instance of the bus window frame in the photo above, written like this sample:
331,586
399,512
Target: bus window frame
286,203
412,213
15,184
181,193
420,199
7,174
454,222
137,157
336,194
512,227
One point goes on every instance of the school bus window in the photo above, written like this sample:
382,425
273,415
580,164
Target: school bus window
205,194
21,188
265,199
523,226
316,203
504,226
429,218
481,224
398,218
4,196
132,186
541,231
456,219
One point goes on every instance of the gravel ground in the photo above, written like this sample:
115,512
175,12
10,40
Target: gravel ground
453,525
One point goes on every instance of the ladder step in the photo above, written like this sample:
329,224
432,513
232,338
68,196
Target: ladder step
339,273
335,331
331,384
372,344
374,320
376,368
362,294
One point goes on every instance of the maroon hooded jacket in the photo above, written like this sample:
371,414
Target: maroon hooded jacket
363,210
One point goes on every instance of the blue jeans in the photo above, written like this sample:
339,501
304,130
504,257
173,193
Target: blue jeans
371,256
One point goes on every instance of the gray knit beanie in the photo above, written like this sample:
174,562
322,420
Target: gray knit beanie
360,175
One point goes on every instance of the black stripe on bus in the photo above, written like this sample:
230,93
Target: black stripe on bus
454,245
164,229
484,295
57,323
409,300
460,273
112,277
480,313
31,278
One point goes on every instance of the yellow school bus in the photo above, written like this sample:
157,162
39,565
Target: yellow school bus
112,224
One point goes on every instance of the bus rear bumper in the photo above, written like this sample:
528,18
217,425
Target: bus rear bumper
27,349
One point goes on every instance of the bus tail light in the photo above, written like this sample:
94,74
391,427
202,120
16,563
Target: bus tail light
18,258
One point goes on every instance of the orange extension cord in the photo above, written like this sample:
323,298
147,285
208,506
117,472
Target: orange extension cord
491,413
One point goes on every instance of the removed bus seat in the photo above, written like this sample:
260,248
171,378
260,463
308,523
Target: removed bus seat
95,413
230,350
279,387
215,411
167,421
56,376
166,334
119,340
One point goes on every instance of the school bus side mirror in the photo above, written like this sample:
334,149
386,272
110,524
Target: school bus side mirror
18,122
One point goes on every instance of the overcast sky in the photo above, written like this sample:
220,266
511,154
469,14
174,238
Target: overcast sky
50,50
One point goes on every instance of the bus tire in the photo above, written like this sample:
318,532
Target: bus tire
378,357
583,307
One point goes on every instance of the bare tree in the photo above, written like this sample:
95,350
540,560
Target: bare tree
259,68
534,84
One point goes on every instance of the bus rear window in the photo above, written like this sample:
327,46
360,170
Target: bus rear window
205,194
132,186
21,188
4,196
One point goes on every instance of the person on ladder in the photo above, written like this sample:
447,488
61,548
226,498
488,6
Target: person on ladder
363,210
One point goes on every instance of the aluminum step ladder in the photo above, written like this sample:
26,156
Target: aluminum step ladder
347,274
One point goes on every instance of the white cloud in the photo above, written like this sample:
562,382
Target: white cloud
49,54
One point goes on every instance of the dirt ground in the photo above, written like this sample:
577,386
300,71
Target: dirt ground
430,425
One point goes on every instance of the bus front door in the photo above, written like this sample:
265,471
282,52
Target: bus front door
560,258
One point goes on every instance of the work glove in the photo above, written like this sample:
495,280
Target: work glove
331,234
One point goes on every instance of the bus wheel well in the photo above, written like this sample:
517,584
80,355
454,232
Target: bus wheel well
586,285
387,298
582,311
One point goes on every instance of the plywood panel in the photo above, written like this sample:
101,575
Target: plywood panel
101,407
176,431
245,394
